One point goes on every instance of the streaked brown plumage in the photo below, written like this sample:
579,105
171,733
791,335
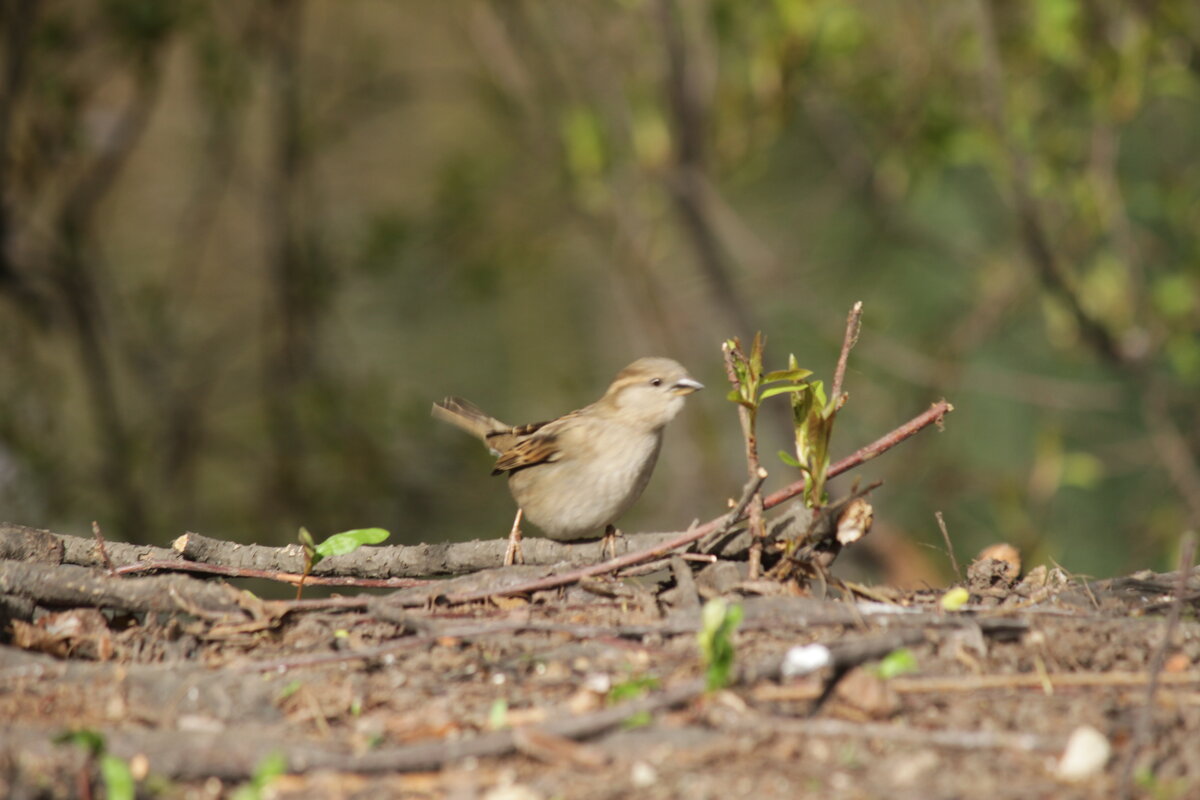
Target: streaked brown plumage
575,475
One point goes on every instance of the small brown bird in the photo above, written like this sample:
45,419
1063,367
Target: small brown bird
575,475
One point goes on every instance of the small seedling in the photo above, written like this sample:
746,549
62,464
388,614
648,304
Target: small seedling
114,772
812,412
896,663
498,715
718,621
336,545
639,720
288,691
955,599
270,768
631,689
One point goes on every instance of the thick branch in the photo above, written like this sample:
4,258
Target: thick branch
66,585
19,543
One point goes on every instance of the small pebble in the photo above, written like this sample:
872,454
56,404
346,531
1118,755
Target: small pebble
803,659
1086,754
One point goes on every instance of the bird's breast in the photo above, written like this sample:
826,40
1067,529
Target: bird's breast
585,490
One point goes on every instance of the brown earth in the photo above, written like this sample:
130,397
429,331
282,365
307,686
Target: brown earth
534,697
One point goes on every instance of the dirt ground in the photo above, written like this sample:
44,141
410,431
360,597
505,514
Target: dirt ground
596,691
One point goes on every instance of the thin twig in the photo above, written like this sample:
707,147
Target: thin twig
748,417
853,326
749,492
101,547
949,545
1143,727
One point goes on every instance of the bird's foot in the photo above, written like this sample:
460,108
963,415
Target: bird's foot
512,554
608,545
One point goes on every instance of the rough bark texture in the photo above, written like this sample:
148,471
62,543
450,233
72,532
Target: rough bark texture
68,586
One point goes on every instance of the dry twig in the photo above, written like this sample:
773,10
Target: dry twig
941,521
853,326
750,436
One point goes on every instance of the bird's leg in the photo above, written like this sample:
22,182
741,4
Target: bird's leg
608,545
512,555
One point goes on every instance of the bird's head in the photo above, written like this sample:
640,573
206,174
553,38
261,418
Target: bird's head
650,391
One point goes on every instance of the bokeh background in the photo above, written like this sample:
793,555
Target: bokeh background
245,245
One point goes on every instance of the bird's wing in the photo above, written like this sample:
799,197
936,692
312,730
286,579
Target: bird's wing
533,444
528,452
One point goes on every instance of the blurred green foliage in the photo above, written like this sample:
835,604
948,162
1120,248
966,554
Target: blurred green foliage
244,245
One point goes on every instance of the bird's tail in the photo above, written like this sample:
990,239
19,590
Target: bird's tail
468,416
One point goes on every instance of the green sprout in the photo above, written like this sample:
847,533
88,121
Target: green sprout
114,772
270,768
718,621
898,662
631,689
498,714
336,545
812,411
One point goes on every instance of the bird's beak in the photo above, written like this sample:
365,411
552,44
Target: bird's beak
686,386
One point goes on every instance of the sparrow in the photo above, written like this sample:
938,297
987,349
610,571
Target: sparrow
576,475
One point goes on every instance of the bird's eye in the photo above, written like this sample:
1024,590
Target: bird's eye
656,381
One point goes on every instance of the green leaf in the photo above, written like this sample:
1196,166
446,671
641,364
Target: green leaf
756,355
897,662
792,374
631,689
774,390
789,459
348,541
117,777
818,388
735,396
